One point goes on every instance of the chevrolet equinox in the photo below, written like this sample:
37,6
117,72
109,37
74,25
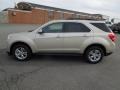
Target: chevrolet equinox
92,39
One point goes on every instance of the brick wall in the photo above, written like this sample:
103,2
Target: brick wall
36,16
17,17
67,15
39,16
57,15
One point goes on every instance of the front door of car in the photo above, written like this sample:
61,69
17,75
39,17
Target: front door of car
51,38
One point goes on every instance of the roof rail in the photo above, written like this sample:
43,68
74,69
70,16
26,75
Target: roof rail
84,19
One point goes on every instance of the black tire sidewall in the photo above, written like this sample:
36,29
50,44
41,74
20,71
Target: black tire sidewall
29,53
94,48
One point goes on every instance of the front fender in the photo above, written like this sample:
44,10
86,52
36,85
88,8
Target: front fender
26,40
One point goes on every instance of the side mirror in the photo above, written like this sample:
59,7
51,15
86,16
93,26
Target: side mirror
40,32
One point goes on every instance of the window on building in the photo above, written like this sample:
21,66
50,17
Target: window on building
74,15
75,27
77,16
50,13
62,15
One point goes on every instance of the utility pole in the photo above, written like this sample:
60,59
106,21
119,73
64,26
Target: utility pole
14,3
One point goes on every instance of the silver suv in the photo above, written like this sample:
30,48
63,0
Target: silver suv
93,39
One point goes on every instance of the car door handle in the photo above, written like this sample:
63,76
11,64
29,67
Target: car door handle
58,37
85,35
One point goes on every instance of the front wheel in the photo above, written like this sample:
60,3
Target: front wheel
94,54
21,52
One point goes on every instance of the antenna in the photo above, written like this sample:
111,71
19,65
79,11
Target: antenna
14,3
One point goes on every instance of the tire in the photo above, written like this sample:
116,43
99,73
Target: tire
94,54
21,52
118,31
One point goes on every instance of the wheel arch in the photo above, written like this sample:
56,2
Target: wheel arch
96,44
18,43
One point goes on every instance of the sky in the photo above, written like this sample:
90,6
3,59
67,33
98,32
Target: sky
106,7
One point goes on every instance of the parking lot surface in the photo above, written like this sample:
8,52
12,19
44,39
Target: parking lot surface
58,72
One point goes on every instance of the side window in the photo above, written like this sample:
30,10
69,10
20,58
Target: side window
75,27
53,28
101,26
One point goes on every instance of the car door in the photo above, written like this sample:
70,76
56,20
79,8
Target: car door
74,36
51,38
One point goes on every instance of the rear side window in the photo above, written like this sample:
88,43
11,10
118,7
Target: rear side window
75,27
101,26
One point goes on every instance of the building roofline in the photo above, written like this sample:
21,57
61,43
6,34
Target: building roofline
54,8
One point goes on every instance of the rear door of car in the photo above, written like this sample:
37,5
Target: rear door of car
74,36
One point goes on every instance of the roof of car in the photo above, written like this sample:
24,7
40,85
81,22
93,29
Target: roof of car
88,21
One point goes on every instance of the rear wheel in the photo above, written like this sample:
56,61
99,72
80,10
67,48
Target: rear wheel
94,54
21,52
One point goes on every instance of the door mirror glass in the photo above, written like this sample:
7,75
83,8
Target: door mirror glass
40,32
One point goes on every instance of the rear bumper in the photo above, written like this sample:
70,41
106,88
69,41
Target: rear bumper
110,48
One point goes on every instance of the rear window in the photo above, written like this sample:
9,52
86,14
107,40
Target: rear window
101,26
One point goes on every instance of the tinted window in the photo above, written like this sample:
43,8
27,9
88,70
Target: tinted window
108,22
75,27
101,26
53,28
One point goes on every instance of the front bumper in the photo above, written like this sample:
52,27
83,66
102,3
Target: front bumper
9,53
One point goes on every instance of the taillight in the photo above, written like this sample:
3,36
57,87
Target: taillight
112,36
